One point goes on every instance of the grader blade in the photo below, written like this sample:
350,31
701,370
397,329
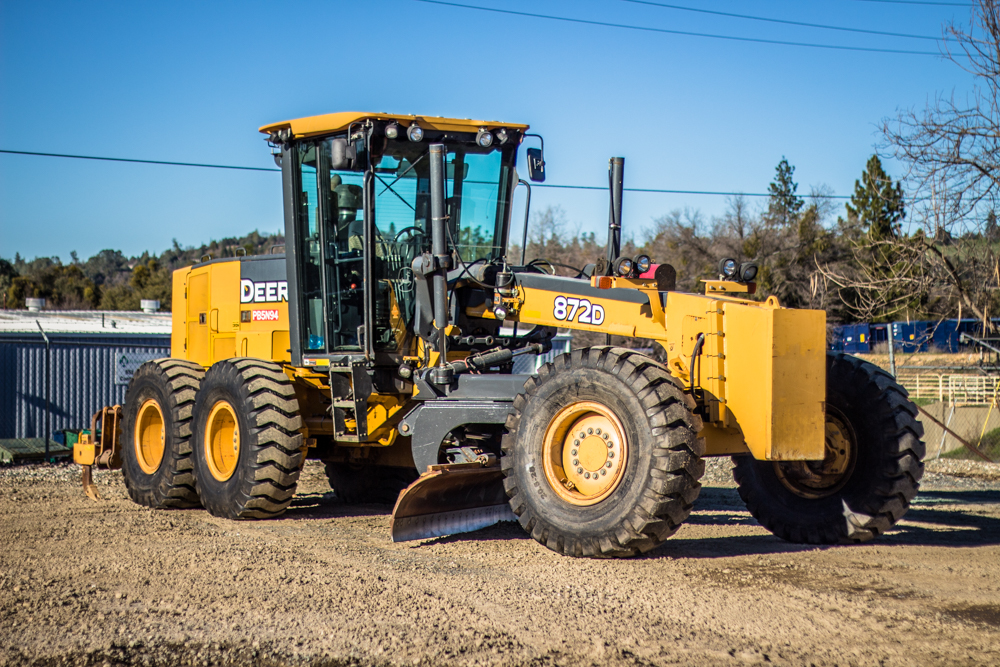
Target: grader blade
450,499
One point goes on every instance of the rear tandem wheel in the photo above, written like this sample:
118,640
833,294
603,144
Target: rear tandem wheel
156,434
247,448
601,456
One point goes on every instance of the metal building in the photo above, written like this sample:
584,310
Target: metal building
88,359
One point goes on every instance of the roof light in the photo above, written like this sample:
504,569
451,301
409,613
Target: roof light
501,135
392,131
643,263
415,133
484,138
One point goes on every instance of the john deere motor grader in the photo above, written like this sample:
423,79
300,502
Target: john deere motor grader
382,343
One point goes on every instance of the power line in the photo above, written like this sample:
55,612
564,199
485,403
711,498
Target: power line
714,193
535,185
680,32
782,21
122,159
917,2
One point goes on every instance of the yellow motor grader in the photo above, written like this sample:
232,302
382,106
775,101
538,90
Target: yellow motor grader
383,340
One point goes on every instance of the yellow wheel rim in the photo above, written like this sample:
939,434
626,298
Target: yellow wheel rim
585,453
819,479
222,441
150,436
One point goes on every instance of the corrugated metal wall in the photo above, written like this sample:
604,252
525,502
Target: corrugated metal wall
83,378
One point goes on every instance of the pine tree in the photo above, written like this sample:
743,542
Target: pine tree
784,205
877,203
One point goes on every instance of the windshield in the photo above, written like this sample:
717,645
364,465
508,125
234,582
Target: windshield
476,188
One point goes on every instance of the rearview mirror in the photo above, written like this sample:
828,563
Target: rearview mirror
536,165
342,154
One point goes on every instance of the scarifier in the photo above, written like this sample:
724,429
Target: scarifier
382,342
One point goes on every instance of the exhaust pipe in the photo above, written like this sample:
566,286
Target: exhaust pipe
616,177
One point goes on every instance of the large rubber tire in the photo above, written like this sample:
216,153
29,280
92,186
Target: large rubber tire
877,486
659,481
357,484
263,474
167,388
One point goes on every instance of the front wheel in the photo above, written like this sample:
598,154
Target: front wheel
601,456
869,475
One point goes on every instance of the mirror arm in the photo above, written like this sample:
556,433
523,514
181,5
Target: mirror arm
527,208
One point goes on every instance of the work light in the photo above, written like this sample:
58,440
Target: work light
642,263
414,132
484,138
748,271
727,268
392,131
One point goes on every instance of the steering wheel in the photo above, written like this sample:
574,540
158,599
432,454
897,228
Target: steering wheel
412,230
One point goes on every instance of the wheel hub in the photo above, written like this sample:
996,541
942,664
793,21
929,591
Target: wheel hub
819,479
150,436
585,453
222,441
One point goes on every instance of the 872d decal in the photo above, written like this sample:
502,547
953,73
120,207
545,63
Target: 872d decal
570,308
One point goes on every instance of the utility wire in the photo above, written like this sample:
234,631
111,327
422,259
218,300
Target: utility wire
536,185
680,32
917,2
121,159
679,192
782,21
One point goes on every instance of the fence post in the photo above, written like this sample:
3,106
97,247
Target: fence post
48,391
892,355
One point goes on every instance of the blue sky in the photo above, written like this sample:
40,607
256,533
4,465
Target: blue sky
192,82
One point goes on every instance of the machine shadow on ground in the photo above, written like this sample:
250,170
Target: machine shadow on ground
938,518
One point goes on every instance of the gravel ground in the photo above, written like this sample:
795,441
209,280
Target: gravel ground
111,583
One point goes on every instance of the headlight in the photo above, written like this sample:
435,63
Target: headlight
727,268
414,132
623,266
392,131
748,271
484,138
643,263
499,312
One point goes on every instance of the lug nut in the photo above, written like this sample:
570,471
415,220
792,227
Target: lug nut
576,443
572,452
579,471
586,475
603,471
598,431
610,445
576,462
609,465
611,455
590,431
582,435
605,436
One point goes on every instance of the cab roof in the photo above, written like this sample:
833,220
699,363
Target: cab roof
337,122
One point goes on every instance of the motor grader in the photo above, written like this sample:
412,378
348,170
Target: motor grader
383,340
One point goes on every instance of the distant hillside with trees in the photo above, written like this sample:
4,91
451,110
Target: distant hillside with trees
111,281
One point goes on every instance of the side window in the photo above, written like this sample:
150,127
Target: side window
311,251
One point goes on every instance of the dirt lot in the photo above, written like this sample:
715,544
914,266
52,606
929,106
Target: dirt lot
111,583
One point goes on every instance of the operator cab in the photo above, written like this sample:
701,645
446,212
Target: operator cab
357,215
